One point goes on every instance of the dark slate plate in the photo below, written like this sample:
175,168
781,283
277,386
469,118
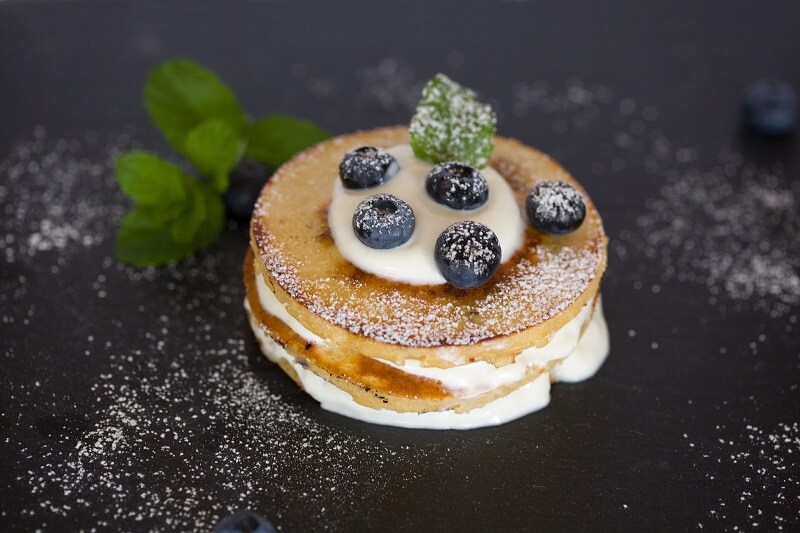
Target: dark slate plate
138,400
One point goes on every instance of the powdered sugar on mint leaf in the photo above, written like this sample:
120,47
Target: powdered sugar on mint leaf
450,124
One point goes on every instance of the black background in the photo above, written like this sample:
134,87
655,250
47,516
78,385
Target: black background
608,454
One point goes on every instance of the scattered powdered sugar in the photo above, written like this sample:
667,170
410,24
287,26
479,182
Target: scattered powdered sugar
178,448
392,85
757,475
59,195
734,227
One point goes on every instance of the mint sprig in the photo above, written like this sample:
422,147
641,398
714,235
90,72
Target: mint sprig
179,95
176,214
214,147
173,214
276,138
450,124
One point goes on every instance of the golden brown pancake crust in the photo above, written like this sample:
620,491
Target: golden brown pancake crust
532,295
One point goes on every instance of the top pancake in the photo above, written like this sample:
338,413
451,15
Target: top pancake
532,295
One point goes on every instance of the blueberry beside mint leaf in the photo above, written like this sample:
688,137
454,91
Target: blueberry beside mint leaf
770,107
457,186
244,522
383,221
555,207
367,167
246,180
467,254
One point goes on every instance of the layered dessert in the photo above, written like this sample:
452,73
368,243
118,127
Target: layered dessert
437,276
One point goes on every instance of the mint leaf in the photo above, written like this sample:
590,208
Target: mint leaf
275,138
450,124
180,94
149,180
213,222
143,241
214,148
173,216
201,222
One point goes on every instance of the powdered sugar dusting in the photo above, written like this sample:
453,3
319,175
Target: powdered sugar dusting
396,317
56,198
391,84
735,228
756,470
263,448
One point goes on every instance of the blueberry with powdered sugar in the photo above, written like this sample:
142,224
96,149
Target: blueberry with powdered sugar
467,254
367,167
457,186
383,221
555,207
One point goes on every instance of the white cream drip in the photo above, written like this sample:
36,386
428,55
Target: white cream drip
413,262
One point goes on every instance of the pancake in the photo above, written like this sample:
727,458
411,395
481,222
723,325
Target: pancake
388,345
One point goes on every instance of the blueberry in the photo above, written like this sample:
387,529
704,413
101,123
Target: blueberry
244,522
555,207
367,167
246,180
770,107
383,221
467,254
457,186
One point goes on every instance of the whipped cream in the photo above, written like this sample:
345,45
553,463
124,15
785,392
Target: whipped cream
413,262
580,357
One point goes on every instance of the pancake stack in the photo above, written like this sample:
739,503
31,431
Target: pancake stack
434,355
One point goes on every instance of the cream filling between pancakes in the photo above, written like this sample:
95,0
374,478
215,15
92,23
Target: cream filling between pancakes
589,354
584,353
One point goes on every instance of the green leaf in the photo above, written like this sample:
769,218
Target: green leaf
142,242
214,221
214,148
149,180
201,222
450,124
183,228
275,138
179,95
165,228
